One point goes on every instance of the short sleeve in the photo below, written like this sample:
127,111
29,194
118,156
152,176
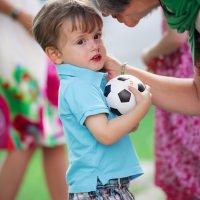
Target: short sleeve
84,100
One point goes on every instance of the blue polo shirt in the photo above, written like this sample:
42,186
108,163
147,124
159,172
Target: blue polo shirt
81,95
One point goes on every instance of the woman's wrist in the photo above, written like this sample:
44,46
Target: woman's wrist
15,14
123,68
129,70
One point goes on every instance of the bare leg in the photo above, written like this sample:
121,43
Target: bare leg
12,172
55,166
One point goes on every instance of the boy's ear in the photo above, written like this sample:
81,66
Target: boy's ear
54,55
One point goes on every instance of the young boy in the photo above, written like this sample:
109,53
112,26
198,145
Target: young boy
102,159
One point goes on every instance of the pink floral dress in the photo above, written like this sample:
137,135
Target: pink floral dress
177,137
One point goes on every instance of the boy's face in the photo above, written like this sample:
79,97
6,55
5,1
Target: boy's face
82,49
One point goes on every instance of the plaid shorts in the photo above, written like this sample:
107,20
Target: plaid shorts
115,189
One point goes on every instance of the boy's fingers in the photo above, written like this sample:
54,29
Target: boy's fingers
147,87
134,90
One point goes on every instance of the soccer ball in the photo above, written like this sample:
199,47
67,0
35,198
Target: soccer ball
119,98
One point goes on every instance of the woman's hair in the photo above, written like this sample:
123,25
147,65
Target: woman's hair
111,6
48,22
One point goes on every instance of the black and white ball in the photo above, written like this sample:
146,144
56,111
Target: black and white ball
119,98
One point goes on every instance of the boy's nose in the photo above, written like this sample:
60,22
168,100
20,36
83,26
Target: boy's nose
94,45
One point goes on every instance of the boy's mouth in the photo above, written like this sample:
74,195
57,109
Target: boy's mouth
96,58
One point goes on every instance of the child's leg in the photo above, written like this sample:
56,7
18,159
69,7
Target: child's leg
12,172
55,166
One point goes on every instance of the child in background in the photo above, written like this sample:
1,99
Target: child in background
28,117
70,32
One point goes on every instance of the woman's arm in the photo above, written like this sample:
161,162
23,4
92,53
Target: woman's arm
173,94
25,19
110,131
6,7
170,41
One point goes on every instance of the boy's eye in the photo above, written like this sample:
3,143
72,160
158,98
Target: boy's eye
80,42
97,36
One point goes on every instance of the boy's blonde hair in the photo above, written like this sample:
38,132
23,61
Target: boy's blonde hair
49,20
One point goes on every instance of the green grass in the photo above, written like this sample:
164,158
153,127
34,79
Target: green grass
143,138
34,186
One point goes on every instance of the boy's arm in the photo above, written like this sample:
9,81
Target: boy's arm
110,131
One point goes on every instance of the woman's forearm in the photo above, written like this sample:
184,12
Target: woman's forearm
6,7
172,94
22,17
168,44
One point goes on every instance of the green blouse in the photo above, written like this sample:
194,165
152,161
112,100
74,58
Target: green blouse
181,15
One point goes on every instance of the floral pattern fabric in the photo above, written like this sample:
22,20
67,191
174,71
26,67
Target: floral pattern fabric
28,116
177,137
28,87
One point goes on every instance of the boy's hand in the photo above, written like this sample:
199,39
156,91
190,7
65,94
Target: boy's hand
142,97
135,128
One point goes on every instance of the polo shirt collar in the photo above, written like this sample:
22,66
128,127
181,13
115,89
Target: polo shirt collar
80,72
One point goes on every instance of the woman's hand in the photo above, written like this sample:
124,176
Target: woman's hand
147,56
151,60
112,67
